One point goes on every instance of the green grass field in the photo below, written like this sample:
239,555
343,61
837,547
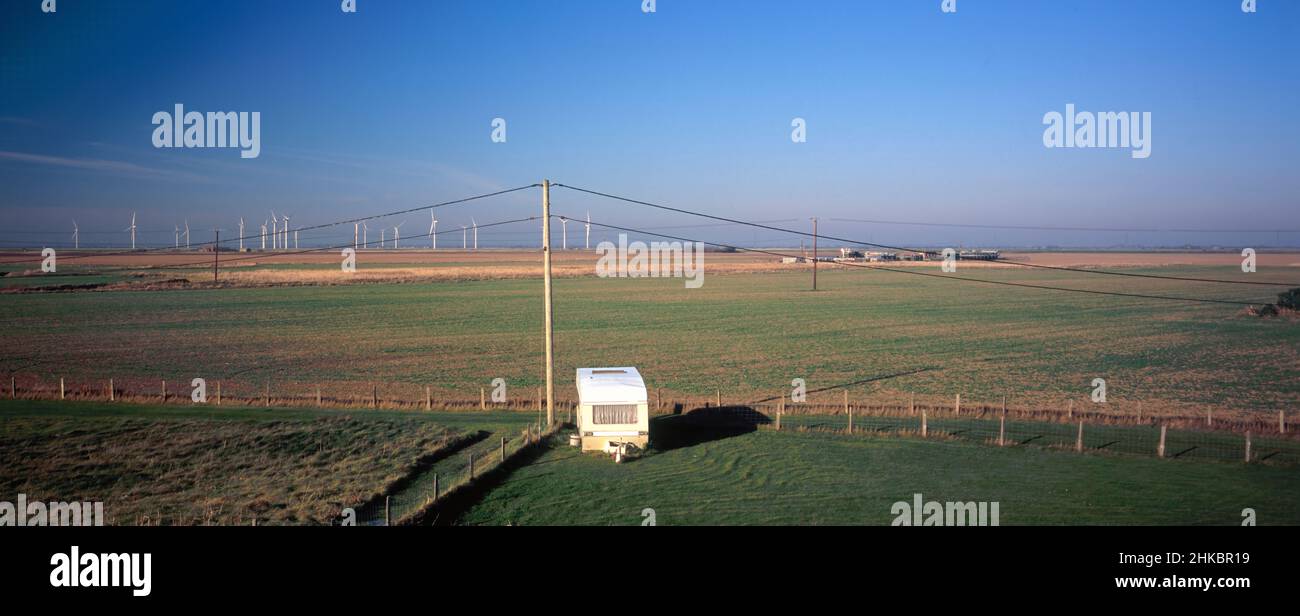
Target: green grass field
768,477
748,335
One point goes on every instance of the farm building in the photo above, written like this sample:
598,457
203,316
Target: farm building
613,408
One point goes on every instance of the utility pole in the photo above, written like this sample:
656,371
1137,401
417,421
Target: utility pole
216,253
546,284
814,255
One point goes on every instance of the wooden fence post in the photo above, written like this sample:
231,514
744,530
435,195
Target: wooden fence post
374,395
13,387
1078,440
911,403
1247,446
923,425
1160,449
1069,414
1002,428
218,393
956,408
779,410
1139,412
61,393
718,399
503,449
659,399
482,399
164,391
850,411
266,394
388,513
1281,422
112,394
539,400
428,398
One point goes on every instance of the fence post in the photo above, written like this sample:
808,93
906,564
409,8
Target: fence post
539,400
1002,428
428,398
13,388
1281,422
218,392
112,395
503,449
1160,449
659,399
1209,418
60,388
779,410
482,399
1247,446
1139,412
850,410
1069,414
923,426
1078,441
956,408
266,394
164,391
388,515
374,395
718,398
911,403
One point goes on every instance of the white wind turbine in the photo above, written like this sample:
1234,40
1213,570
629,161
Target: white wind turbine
132,230
383,238
397,234
564,233
284,238
76,241
241,234
187,234
356,234
365,238
464,235
295,239
263,235
433,230
275,231
176,239
475,223
588,230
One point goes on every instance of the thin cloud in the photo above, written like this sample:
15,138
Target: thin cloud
97,164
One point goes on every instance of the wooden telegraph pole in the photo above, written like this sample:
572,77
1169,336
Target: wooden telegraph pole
216,254
546,284
814,254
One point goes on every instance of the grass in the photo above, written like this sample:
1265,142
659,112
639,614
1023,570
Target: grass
768,477
186,465
747,334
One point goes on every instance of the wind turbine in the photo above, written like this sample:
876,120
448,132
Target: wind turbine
176,239
284,240
275,230
397,234
564,233
263,235
473,222
433,230
241,234
365,241
356,234
295,239
588,230
132,230
382,237
464,234
187,234
76,243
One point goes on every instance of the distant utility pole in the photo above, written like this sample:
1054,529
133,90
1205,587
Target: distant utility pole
814,253
546,278
216,253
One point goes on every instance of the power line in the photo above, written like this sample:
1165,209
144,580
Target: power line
927,252
320,226
933,275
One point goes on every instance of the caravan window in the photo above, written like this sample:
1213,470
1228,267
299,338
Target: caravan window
613,413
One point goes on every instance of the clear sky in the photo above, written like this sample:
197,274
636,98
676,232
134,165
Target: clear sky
912,115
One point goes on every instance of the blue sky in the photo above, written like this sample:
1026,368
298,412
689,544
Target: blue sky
912,115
